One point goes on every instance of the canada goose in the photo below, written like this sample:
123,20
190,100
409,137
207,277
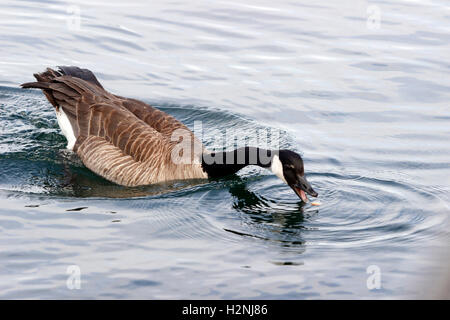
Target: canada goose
131,143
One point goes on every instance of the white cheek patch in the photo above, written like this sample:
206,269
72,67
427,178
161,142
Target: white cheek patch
66,128
277,168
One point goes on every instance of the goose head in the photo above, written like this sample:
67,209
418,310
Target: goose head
288,166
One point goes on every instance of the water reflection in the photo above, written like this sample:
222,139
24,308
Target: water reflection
82,183
269,219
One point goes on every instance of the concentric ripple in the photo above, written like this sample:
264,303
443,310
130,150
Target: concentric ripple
354,211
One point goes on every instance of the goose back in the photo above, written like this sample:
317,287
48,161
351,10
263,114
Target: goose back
124,140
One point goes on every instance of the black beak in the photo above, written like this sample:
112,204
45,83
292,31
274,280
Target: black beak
304,185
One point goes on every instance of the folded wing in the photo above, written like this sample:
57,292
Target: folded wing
124,140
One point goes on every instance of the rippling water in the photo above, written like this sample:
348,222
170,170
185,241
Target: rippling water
360,89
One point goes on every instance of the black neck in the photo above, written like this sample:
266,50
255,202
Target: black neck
217,164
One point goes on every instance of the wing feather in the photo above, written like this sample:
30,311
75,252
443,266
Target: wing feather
124,140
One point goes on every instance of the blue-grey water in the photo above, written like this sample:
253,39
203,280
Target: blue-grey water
360,88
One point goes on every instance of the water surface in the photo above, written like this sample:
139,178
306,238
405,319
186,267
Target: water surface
364,100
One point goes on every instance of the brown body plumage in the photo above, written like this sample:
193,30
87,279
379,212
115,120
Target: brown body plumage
123,140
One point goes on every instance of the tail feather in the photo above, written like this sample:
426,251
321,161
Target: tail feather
45,86
47,76
44,82
37,85
72,89
50,75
